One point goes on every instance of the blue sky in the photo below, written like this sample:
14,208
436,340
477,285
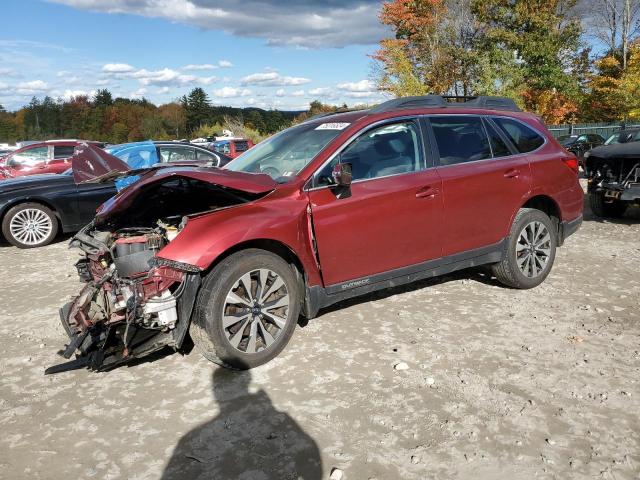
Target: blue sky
265,53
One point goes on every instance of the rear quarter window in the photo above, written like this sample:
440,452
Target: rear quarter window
524,138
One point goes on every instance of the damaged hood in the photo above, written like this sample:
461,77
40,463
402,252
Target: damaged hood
90,163
251,183
616,151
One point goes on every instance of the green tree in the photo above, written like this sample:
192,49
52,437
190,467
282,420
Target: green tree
197,107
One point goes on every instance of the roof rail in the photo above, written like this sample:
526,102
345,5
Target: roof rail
438,101
425,101
491,103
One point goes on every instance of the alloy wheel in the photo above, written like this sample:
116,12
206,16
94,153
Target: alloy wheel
533,249
30,226
255,311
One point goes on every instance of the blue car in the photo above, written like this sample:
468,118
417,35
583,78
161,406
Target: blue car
147,154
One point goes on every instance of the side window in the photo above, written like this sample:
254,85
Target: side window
176,154
524,138
209,157
498,147
388,150
60,152
242,146
460,139
31,157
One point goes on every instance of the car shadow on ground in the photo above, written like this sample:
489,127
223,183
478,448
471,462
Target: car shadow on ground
248,438
475,274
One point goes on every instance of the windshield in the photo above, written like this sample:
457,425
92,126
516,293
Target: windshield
283,155
615,138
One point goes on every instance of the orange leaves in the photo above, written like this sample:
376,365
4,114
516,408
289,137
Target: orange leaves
552,106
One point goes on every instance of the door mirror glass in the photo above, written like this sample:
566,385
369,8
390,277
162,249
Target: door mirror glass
342,174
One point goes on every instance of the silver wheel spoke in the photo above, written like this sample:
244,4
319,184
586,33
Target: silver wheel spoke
253,336
275,286
235,339
268,338
281,302
252,325
234,299
229,320
279,321
245,281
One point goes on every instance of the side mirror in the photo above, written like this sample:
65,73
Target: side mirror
342,174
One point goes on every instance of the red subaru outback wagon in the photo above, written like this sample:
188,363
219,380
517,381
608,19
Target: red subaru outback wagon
353,202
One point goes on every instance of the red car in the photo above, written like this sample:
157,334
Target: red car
53,156
361,201
232,147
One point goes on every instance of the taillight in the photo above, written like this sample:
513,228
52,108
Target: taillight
572,163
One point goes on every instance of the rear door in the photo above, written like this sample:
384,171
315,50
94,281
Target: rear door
484,181
391,215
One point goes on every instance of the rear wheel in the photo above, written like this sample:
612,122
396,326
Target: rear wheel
247,310
29,225
600,208
531,250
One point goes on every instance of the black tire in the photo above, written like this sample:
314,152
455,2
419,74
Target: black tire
207,330
45,214
508,271
600,208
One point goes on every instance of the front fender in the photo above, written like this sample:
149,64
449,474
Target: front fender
205,238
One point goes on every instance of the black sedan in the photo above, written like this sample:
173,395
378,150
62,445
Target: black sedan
580,144
33,209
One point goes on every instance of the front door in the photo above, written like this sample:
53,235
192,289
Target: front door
391,215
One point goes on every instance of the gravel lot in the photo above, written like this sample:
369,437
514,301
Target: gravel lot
499,383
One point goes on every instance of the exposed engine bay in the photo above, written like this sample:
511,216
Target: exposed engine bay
617,178
134,302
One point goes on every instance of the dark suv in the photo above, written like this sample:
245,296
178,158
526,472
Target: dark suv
353,202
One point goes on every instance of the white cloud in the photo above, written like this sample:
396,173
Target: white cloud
272,79
319,91
139,93
230,92
298,93
225,64
202,66
69,94
117,68
102,82
163,90
281,92
34,87
361,86
309,23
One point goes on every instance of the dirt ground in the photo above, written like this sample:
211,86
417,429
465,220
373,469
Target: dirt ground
500,383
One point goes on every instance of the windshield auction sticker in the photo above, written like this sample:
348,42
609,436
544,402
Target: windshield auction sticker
332,126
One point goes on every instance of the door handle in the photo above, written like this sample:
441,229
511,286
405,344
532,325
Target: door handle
512,173
427,192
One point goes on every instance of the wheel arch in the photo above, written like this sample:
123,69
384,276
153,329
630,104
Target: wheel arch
548,205
280,249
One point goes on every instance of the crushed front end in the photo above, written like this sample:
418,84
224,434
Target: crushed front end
617,178
132,303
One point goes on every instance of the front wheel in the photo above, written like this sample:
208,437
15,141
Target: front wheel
531,250
29,225
247,310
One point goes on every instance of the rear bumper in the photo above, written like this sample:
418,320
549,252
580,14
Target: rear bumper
568,228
